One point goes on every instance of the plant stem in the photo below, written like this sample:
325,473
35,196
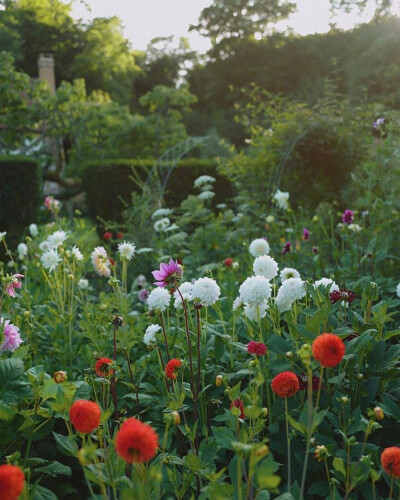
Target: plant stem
309,431
288,445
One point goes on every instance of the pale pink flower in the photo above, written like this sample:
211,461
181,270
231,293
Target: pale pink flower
12,338
13,282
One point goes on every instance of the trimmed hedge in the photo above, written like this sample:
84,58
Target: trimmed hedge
107,182
20,193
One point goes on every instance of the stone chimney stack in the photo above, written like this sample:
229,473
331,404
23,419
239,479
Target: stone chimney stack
46,70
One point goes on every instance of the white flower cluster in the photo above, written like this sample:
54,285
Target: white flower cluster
325,282
206,291
203,180
282,199
292,289
259,247
161,225
288,272
159,298
150,335
161,212
254,293
186,291
265,266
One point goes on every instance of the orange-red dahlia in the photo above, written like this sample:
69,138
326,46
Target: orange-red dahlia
172,366
390,460
135,441
103,367
11,482
328,349
85,415
285,384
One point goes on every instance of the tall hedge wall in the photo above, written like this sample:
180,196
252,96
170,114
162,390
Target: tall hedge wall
106,183
20,193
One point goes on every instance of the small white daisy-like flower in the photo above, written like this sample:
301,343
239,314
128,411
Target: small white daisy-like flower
50,259
325,282
126,250
237,303
162,224
270,219
203,180
255,290
206,290
22,250
265,266
44,246
355,228
251,313
76,253
101,262
57,239
161,212
291,290
259,247
159,298
398,290
206,195
289,272
150,335
3,236
282,199
33,230
83,284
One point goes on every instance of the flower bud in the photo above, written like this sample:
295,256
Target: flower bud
103,307
60,377
320,453
344,400
264,412
289,355
176,417
262,451
86,455
218,380
378,412
359,376
235,265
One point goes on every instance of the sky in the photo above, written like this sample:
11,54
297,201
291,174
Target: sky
144,20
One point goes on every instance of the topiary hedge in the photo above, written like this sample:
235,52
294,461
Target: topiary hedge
20,193
108,185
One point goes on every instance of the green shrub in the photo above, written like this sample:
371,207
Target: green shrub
20,193
109,185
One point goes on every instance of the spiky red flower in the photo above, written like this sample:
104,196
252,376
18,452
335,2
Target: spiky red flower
228,262
136,442
103,367
390,460
11,482
85,415
257,348
172,366
285,384
328,349
107,235
238,403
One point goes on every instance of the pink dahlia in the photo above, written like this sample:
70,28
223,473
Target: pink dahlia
12,283
306,234
12,338
348,216
169,274
257,348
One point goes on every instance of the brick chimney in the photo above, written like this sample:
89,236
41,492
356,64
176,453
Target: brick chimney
46,70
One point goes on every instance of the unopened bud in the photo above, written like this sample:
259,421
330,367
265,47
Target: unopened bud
60,377
289,355
378,412
344,400
320,453
359,376
264,412
176,418
218,380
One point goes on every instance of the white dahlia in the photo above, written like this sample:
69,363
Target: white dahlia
50,259
289,272
150,335
255,290
250,311
101,262
265,266
206,290
126,250
325,282
291,290
259,247
282,199
159,298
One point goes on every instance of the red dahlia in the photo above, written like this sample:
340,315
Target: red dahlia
85,415
107,235
238,403
343,294
390,460
285,384
228,262
11,482
135,441
103,367
328,349
257,348
172,366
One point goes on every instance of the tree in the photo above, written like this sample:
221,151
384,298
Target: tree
228,20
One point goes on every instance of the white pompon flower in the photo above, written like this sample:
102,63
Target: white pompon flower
186,290
22,250
162,224
83,284
237,303
150,335
325,282
159,298
50,259
282,199
270,219
206,290
291,290
255,290
33,229
355,228
265,266
101,262
126,250
250,311
259,247
57,238
206,195
289,272
76,253
203,180
398,290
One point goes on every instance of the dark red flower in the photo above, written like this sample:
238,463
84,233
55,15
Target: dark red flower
228,262
315,249
303,382
257,348
351,336
136,442
107,235
348,216
287,247
238,403
172,366
119,235
306,234
11,482
112,261
343,295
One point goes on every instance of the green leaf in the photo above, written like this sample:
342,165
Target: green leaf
65,445
12,385
297,425
55,469
6,412
41,493
338,465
